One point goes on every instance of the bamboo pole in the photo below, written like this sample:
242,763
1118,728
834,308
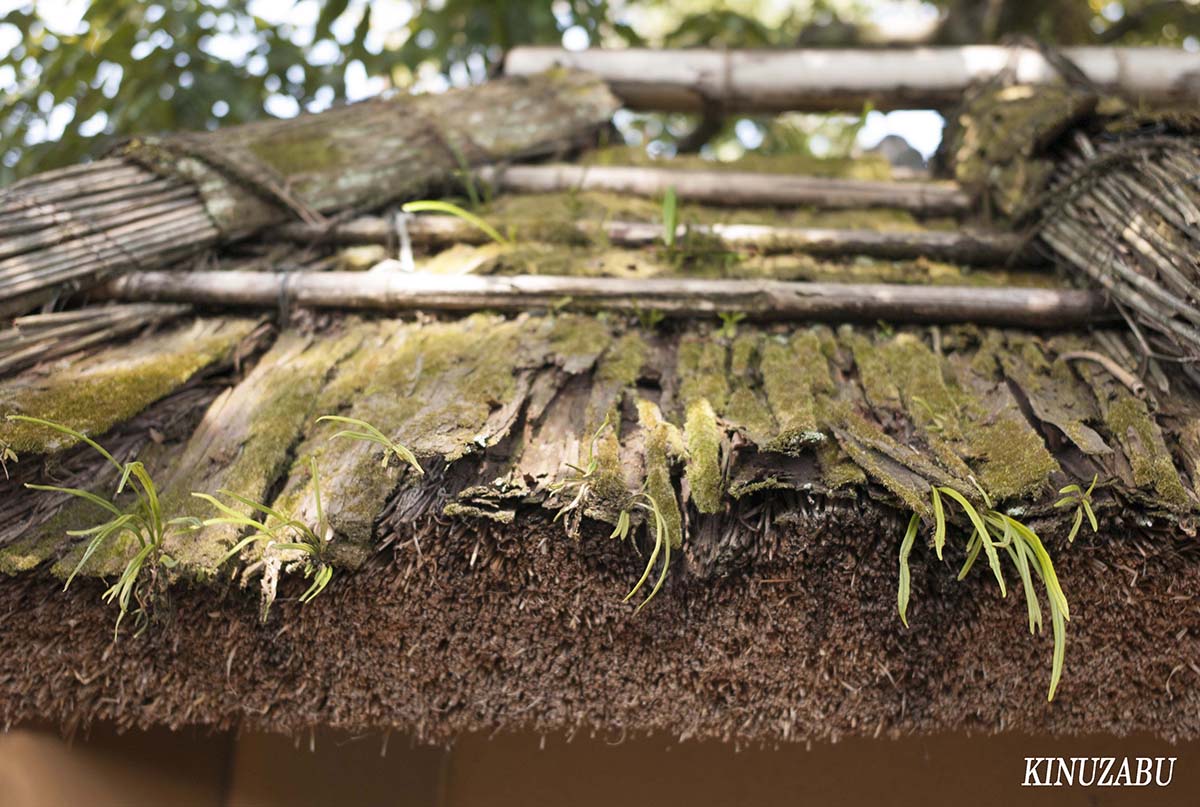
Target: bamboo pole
845,79
735,188
760,299
435,231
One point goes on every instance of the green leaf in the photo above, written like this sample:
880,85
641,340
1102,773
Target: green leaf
670,216
905,589
1075,526
939,528
982,532
438,206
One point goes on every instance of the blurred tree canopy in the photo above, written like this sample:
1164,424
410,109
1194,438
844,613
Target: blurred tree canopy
76,75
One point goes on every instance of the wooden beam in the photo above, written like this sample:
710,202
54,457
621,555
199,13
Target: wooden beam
734,188
769,81
760,299
955,246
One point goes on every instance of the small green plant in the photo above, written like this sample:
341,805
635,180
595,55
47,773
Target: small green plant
1082,499
369,434
662,544
579,484
281,533
670,217
466,176
729,324
438,206
993,531
650,318
7,455
141,519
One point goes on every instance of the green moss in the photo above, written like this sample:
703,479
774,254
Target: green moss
244,448
114,386
1016,462
700,367
298,151
744,351
748,412
793,372
837,469
960,429
703,437
911,488
609,492
622,362
661,447
1131,422
577,340
457,510
739,489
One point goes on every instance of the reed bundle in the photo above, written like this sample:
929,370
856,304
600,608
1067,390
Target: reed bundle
41,337
1125,212
162,198
65,229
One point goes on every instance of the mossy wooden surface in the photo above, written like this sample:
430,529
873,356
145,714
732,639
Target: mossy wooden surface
98,390
698,416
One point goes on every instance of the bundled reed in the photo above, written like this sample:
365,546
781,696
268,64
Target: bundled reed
1125,212
65,229
41,337
162,198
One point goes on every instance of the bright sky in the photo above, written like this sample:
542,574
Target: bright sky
921,128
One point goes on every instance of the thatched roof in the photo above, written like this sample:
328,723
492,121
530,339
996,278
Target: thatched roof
784,460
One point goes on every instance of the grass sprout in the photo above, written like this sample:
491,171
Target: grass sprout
993,531
141,519
670,216
905,587
729,324
579,485
369,434
1082,499
438,206
662,545
7,455
279,532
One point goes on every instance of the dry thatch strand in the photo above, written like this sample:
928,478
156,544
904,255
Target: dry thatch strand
758,299
745,188
63,229
165,198
41,337
822,80
1126,213
437,231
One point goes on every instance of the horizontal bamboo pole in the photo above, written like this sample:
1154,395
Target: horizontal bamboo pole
743,188
956,246
760,299
818,80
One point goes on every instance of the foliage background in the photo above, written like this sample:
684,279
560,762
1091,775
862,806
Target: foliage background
77,75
